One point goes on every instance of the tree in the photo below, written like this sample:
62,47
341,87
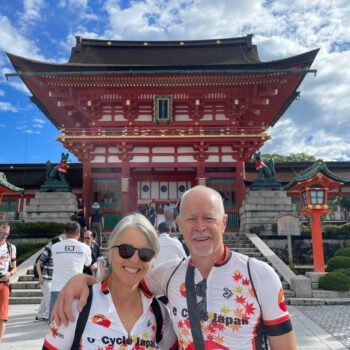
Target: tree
343,202
293,157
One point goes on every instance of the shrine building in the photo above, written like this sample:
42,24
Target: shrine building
150,119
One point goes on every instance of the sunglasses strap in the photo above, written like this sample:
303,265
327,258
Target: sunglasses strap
195,323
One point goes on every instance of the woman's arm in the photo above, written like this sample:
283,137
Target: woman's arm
61,336
76,288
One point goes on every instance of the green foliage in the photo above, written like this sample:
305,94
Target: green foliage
343,252
334,281
36,229
343,202
345,272
26,250
293,157
338,262
332,230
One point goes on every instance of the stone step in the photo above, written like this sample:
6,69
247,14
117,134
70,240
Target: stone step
25,285
45,208
26,293
27,278
25,300
289,293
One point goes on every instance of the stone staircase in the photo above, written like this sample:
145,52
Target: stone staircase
242,244
26,290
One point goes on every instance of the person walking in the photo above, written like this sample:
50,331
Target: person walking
96,222
69,258
8,267
44,266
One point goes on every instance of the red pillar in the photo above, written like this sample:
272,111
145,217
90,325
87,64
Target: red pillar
87,187
317,242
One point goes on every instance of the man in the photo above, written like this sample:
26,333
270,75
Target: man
69,258
229,314
170,248
95,253
44,266
96,222
7,269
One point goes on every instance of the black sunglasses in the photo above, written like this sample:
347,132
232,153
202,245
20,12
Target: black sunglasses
126,251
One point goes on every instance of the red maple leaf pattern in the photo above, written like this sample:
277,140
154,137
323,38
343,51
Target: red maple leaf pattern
54,331
249,308
245,281
237,276
240,299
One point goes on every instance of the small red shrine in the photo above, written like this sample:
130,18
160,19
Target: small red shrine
150,119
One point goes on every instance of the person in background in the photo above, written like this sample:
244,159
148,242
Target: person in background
170,248
95,253
69,258
8,267
44,266
96,222
121,314
168,210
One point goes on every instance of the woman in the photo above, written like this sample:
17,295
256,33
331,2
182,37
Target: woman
120,315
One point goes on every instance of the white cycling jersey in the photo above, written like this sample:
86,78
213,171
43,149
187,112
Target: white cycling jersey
234,316
105,331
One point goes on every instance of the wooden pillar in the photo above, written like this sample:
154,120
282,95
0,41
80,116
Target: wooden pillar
87,187
317,242
125,189
240,185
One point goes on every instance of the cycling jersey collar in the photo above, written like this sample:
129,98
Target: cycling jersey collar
221,262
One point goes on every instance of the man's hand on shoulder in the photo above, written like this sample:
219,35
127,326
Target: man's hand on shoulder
76,288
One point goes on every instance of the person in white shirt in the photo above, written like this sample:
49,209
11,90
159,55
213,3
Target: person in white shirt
69,258
170,248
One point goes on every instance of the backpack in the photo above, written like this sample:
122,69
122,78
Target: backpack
35,271
84,314
9,249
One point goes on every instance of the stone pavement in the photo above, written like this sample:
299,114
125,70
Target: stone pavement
22,332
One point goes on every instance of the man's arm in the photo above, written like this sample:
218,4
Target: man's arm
286,342
76,288
88,256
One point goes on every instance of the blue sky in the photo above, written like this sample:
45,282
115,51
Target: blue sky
317,124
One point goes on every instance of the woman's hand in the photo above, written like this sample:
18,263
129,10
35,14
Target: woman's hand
76,288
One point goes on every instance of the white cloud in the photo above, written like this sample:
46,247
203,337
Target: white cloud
2,92
31,11
13,41
38,121
7,107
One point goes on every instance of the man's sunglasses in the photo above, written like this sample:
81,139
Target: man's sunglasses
126,251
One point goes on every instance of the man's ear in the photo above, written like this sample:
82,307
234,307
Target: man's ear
224,219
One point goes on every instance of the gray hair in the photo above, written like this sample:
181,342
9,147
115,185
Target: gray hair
142,223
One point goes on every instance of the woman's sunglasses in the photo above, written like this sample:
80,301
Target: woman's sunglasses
126,251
